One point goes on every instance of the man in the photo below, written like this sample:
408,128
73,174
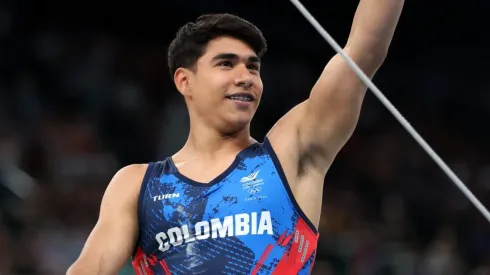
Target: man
226,204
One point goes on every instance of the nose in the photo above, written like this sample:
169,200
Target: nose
243,78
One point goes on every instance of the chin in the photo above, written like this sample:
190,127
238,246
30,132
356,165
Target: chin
237,124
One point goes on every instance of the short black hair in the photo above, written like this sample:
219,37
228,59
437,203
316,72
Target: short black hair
192,39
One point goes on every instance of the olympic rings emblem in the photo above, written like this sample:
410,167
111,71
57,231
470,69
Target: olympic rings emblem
254,190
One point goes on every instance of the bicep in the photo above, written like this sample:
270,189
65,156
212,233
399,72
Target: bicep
331,113
112,240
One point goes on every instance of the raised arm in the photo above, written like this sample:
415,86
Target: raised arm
329,117
113,238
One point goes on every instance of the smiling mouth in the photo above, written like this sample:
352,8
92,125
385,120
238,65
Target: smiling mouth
241,97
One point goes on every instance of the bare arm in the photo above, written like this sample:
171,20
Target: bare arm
330,115
112,240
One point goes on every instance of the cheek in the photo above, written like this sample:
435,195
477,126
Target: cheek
259,86
206,89
217,87
210,96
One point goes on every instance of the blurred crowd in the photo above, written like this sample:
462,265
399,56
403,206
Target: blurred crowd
76,107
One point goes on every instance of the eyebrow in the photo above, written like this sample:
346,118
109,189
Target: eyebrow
221,56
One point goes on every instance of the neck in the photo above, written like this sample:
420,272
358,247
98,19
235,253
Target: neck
207,142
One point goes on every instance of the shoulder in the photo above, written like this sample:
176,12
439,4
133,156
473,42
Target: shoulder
284,135
126,183
284,140
131,172
294,134
289,142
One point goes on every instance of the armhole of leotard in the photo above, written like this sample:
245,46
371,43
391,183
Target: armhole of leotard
141,196
285,183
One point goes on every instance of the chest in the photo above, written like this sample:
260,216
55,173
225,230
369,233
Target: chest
249,205
248,190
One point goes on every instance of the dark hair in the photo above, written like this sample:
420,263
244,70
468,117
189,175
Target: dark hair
192,38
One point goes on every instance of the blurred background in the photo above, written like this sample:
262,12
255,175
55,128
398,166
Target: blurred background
84,90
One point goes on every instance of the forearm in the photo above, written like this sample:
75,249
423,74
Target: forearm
104,259
373,28
85,268
77,270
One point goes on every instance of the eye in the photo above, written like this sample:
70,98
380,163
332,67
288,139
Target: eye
225,64
254,67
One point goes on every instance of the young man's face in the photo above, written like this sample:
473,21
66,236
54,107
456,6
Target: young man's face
226,87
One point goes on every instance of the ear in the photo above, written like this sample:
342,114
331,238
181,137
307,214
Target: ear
182,79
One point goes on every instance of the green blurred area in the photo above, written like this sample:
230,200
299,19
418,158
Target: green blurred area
127,269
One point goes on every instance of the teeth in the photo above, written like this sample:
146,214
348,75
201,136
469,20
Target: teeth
241,98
